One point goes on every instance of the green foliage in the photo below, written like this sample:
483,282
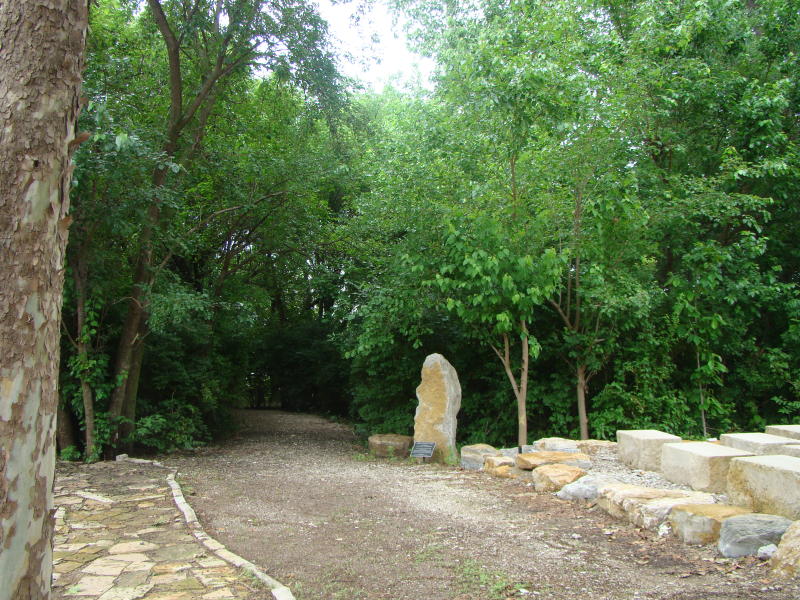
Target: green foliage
70,453
176,426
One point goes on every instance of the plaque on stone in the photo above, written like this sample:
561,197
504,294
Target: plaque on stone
423,449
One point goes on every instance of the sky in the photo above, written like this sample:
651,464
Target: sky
377,45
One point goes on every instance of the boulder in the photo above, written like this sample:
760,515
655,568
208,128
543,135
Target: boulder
531,460
643,506
585,488
491,461
555,444
472,456
641,448
390,444
743,535
439,396
507,472
767,484
592,447
756,443
700,465
700,523
786,560
551,478
789,431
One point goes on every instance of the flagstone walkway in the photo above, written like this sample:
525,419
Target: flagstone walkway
120,536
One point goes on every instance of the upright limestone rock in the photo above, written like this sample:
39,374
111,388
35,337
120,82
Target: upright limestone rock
439,396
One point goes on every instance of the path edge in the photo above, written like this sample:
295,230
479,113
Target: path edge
278,590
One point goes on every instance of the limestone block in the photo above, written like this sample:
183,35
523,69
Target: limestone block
556,444
743,535
585,488
551,478
643,506
700,465
789,431
439,396
790,450
786,561
472,456
390,444
592,447
491,461
700,523
641,448
531,460
757,443
768,484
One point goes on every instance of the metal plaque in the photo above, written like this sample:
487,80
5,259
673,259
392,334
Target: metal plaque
423,449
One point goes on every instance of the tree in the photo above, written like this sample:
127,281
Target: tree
41,60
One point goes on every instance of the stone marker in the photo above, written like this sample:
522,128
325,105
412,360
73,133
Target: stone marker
700,523
643,506
786,560
390,444
472,456
585,488
757,443
556,444
789,431
641,448
700,465
551,478
439,396
531,460
743,535
768,484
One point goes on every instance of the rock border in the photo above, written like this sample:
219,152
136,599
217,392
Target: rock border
278,590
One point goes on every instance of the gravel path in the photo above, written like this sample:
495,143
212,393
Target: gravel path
295,495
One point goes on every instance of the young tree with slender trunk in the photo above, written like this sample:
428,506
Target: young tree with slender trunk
41,60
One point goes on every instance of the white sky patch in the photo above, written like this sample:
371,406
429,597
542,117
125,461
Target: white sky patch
376,45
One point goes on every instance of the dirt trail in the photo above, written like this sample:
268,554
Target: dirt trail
295,495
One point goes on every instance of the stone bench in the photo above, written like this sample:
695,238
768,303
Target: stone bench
789,431
766,484
790,450
700,465
757,443
641,448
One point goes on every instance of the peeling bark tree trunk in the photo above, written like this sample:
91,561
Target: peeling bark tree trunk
41,59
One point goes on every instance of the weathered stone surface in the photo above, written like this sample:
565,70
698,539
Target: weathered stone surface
643,506
790,450
641,448
700,465
768,484
789,431
757,443
592,447
389,445
556,444
472,456
531,460
585,488
551,478
700,523
743,535
786,560
439,396
494,461
767,552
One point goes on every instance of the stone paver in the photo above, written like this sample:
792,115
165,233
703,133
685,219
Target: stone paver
120,536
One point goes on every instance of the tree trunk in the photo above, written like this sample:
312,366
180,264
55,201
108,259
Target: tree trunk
66,434
81,277
581,389
41,59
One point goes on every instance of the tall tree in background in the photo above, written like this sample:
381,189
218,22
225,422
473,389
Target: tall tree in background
41,59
